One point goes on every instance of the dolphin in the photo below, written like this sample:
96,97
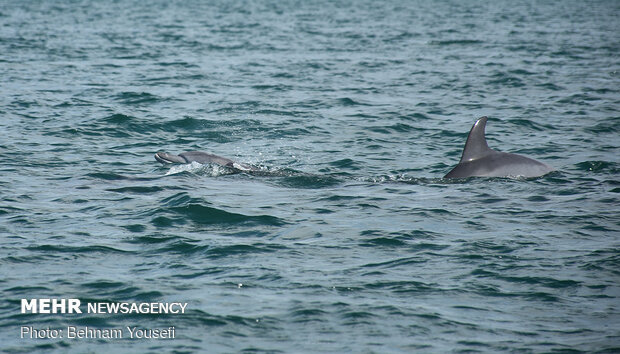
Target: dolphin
203,158
479,160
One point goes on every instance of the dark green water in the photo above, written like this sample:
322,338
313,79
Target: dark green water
350,241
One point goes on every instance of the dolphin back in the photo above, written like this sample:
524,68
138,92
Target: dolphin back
205,158
478,160
500,164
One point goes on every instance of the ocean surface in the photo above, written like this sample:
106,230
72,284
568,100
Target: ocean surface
348,240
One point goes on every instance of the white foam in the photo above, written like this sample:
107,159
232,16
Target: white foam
190,167
211,170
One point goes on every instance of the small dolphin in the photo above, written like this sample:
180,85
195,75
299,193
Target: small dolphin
203,158
479,160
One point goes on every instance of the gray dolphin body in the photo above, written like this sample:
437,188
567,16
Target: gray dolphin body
203,158
479,160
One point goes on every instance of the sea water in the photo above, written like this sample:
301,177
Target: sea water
349,240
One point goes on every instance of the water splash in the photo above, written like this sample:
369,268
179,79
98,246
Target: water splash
210,170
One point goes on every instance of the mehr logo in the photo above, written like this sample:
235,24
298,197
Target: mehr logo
51,306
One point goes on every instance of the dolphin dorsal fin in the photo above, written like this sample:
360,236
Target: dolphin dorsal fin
476,145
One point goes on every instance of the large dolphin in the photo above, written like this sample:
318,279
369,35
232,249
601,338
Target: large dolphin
203,158
479,160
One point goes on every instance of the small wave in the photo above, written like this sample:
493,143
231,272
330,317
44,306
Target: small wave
383,242
118,118
530,280
304,181
235,250
178,63
137,189
408,286
551,86
346,101
404,178
308,315
9,210
505,79
183,247
416,116
597,166
188,248
152,239
580,99
133,98
117,125
104,284
188,123
396,262
135,228
206,215
455,42
27,290
178,199
272,87
76,249
531,124
181,208
112,176
356,318
345,163
538,198
606,127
